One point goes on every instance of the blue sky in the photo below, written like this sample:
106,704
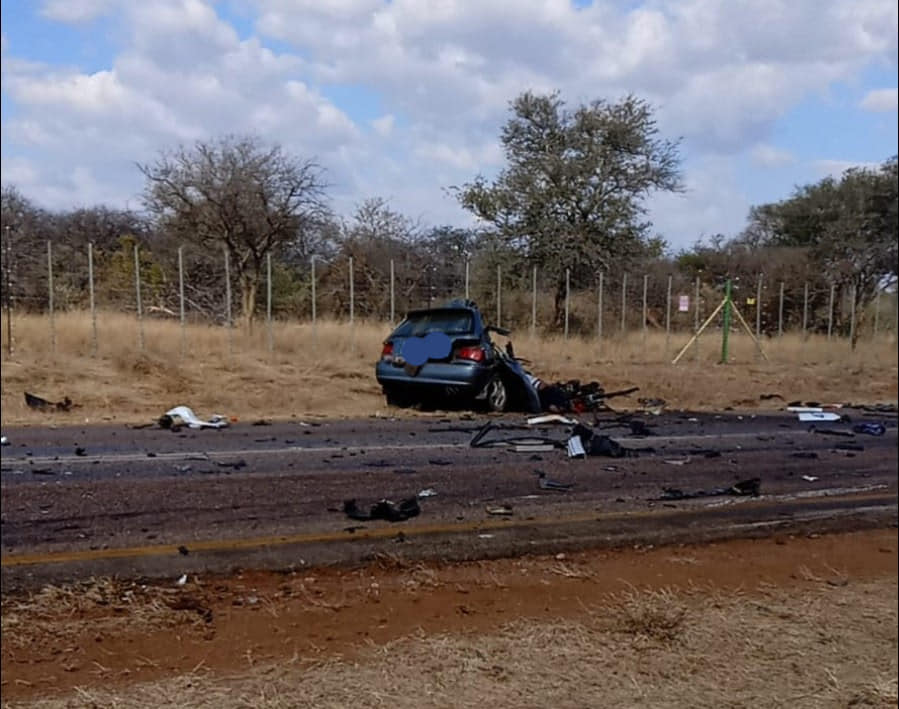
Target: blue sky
399,100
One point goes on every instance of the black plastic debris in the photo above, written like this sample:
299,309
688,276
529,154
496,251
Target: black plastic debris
810,455
596,444
384,509
183,550
870,428
743,488
478,441
545,483
849,447
37,402
830,431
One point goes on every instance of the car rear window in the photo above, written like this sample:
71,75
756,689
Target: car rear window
451,322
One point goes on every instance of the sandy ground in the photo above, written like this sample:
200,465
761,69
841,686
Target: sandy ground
789,621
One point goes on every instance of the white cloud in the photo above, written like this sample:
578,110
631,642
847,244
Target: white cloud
721,73
836,168
881,100
75,11
769,156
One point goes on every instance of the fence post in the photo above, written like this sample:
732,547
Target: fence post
876,311
8,293
780,312
312,288
181,300
534,302
228,303
623,302
90,285
852,317
599,311
645,285
668,318
758,308
805,312
50,297
268,302
352,292
830,312
696,320
140,312
499,295
567,295
393,291
467,276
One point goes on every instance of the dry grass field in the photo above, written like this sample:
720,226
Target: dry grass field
328,370
738,624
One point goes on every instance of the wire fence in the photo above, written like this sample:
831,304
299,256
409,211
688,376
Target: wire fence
617,305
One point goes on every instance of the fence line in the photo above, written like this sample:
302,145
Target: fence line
788,313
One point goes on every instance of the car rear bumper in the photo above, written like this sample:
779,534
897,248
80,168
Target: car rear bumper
462,376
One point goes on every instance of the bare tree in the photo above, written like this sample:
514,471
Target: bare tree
239,193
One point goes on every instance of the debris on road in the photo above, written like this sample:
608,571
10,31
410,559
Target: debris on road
830,432
184,415
384,509
550,418
37,402
545,483
677,461
428,492
576,447
4,441
181,581
500,510
805,416
751,486
810,478
871,428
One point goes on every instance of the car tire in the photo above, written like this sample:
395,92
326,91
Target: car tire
399,399
497,394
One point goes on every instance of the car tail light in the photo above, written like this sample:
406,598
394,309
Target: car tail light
473,353
387,351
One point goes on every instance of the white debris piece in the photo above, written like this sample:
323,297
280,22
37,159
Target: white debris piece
192,421
805,409
818,416
183,580
810,478
576,447
429,492
4,441
550,418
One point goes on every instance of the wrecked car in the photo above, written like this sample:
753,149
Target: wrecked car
447,354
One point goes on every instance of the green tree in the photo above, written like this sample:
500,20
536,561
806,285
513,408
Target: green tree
572,193
238,194
846,226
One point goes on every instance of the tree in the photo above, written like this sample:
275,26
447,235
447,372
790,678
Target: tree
847,228
240,194
571,196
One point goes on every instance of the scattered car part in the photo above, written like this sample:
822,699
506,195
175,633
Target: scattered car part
37,402
185,415
384,509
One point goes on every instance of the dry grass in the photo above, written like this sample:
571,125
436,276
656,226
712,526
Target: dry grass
86,605
829,647
328,370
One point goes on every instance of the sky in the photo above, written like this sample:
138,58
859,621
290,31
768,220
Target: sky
403,99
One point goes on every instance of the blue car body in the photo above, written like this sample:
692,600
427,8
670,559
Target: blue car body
447,353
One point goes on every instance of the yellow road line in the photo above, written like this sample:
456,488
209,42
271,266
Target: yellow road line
215,545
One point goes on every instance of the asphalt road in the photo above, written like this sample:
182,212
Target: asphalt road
84,501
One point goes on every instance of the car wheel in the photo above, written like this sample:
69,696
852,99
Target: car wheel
497,394
399,399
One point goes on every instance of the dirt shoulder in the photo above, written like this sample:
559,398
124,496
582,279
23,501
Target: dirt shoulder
817,611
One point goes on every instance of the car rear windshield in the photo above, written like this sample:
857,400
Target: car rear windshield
451,322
